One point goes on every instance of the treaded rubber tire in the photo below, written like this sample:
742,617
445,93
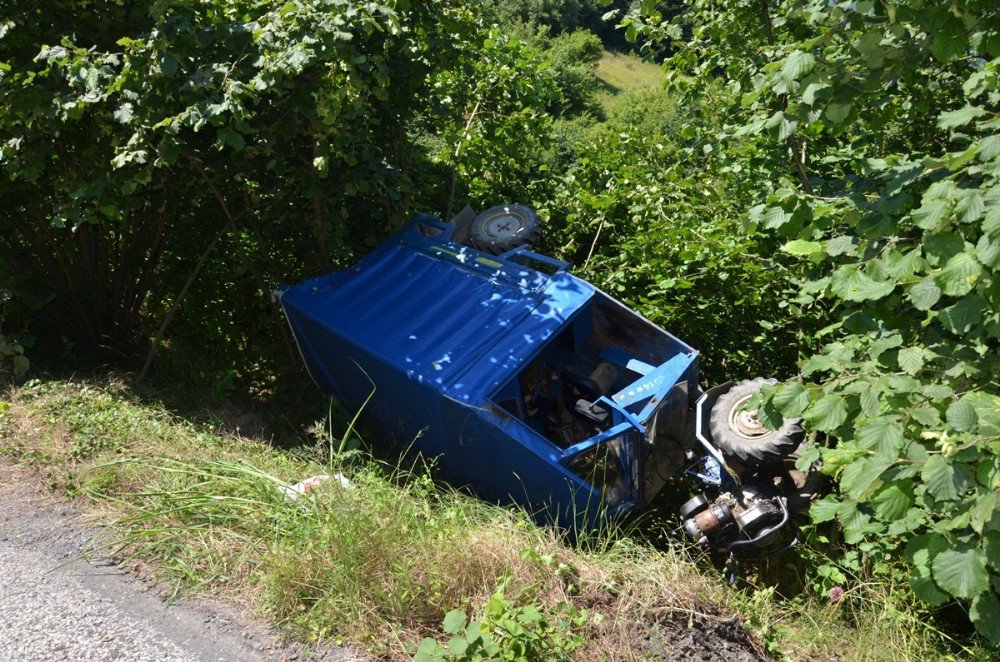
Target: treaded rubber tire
504,227
758,450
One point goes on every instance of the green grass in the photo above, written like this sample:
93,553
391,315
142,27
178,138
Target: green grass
623,73
380,565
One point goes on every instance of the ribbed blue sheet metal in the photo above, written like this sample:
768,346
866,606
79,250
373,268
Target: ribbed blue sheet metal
431,310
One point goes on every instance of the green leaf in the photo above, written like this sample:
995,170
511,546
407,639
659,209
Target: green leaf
858,477
927,416
943,481
812,89
988,249
168,66
775,217
454,621
942,246
797,65
882,434
970,206
870,404
838,112
827,413
931,213
825,509
850,517
989,148
428,650
924,294
20,364
125,113
808,456
920,551
913,519
937,391
960,274
815,363
892,501
924,587
911,359
985,615
877,348
961,573
991,545
801,247
232,138
965,314
852,284
458,645
949,42
982,512
961,415
841,245
791,399
903,266
960,117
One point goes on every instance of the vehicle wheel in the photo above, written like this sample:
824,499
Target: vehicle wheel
499,229
739,435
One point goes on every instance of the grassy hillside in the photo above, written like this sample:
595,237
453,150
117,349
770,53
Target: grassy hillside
380,565
623,72
626,72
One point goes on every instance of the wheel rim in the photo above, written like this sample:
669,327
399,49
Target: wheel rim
503,225
744,422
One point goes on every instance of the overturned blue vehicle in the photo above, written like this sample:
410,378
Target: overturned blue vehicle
532,386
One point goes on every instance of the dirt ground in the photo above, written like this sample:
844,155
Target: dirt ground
699,639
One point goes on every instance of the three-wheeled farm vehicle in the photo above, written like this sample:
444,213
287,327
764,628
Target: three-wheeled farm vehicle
532,386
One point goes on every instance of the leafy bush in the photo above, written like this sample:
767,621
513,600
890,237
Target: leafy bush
225,147
570,60
648,112
883,119
554,15
655,221
508,632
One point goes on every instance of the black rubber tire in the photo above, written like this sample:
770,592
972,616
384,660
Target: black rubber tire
756,450
502,228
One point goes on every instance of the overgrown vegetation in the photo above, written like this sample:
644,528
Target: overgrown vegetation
896,212
397,558
812,196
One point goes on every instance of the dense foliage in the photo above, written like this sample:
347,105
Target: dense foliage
230,146
657,223
882,122
815,193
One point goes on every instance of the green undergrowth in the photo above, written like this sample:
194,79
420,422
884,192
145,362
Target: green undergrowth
394,562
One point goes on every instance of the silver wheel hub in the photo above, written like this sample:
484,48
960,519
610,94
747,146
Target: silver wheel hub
504,225
744,421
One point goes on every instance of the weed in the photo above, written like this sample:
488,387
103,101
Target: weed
508,632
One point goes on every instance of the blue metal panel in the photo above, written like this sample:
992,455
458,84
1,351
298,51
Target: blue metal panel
433,308
395,405
496,362
505,460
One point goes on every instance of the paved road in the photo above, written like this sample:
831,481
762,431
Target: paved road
56,606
